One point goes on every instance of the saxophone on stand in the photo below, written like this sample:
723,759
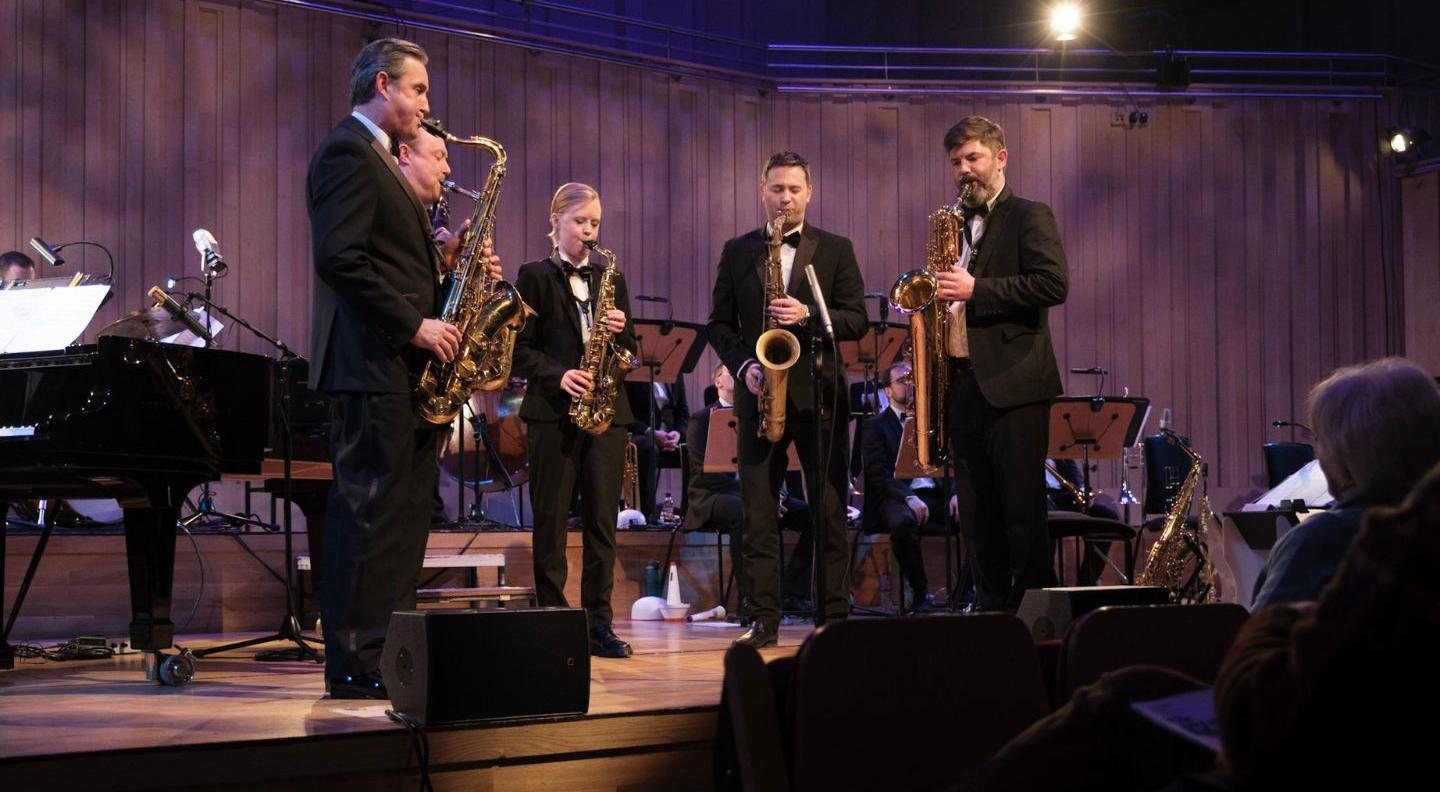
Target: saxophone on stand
1180,559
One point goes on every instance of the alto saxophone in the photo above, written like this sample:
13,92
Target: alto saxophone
487,311
777,349
1180,559
917,294
605,360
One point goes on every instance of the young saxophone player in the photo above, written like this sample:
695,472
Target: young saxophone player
575,303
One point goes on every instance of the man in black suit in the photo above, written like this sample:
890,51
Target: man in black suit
715,506
376,284
662,437
899,507
736,322
1002,366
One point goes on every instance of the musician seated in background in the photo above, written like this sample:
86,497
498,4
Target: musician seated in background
715,506
16,266
900,507
671,416
567,291
1377,431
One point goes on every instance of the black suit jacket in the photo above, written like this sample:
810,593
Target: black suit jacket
674,415
879,448
738,302
704,487
551,342
1019,273
375,266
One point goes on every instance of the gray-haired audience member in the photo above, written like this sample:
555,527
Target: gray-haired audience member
1377,430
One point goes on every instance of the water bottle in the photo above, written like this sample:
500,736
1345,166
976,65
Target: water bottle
652,579
667,511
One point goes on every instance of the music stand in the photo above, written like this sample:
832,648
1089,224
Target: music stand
667,350
877,349
1099,427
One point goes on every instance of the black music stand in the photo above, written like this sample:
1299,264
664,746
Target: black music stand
667,350
1098,427
289,624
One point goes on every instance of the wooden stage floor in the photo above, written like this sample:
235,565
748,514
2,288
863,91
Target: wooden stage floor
247,724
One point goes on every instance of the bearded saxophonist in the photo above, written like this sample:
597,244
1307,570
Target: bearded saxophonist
759,282
1001,365
572,293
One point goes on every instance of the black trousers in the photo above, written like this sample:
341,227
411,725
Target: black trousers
1004,449
897,519
562,456
727,514
377,523
762,469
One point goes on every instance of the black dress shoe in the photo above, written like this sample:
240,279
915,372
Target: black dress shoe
365,686
605,643
759,636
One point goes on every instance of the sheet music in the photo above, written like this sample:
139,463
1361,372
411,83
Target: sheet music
187,338
1308,483
42,319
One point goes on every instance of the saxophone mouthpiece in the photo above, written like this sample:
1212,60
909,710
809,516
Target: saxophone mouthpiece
591,243
434,127
452,187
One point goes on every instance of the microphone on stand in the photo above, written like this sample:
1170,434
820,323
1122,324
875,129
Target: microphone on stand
178,313
1167,420
1283,424
820,301
211,261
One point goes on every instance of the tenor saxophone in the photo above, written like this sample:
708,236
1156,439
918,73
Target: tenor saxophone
777,349
605,360
487,311
917,294
1180,559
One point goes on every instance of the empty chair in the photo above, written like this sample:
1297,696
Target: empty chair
1283,459
1191,639
864,692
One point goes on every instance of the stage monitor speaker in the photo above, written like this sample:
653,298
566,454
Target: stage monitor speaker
1048,613
459,666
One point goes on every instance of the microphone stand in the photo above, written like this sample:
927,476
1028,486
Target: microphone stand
289,625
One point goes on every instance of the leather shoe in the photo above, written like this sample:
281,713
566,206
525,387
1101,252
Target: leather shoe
365,686
759,636
923,604
605,643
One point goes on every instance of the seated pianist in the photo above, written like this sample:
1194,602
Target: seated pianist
715,506
895,506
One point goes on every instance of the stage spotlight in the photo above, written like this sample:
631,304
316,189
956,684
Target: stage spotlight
1064,21
1400,142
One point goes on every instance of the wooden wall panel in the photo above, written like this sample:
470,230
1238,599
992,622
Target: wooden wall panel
1223,257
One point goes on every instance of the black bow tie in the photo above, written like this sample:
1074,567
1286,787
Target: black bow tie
971,211
792,239
570,269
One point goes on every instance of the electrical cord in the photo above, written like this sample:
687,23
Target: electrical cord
419,743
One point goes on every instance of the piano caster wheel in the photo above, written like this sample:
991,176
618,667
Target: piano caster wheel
170,669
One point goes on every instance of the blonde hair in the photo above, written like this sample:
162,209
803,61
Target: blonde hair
1377,427
568,196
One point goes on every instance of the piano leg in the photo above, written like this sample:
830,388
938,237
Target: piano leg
150,552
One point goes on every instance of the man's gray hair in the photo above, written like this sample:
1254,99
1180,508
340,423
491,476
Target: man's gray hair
1377,428
381,55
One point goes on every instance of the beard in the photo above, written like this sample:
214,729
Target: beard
982,191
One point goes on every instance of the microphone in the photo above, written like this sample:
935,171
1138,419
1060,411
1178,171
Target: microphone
1167,420
820,301
209,252
178,312
1096,370
717,612
1283,424
650,298
47,252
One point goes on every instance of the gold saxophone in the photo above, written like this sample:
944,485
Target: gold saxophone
605,360
917,294
1180,560
630,483
777,349
487,311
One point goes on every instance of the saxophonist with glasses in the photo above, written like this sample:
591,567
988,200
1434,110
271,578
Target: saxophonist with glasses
760,325
575,352
999,361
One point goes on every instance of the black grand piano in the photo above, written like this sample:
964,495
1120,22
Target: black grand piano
140,422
